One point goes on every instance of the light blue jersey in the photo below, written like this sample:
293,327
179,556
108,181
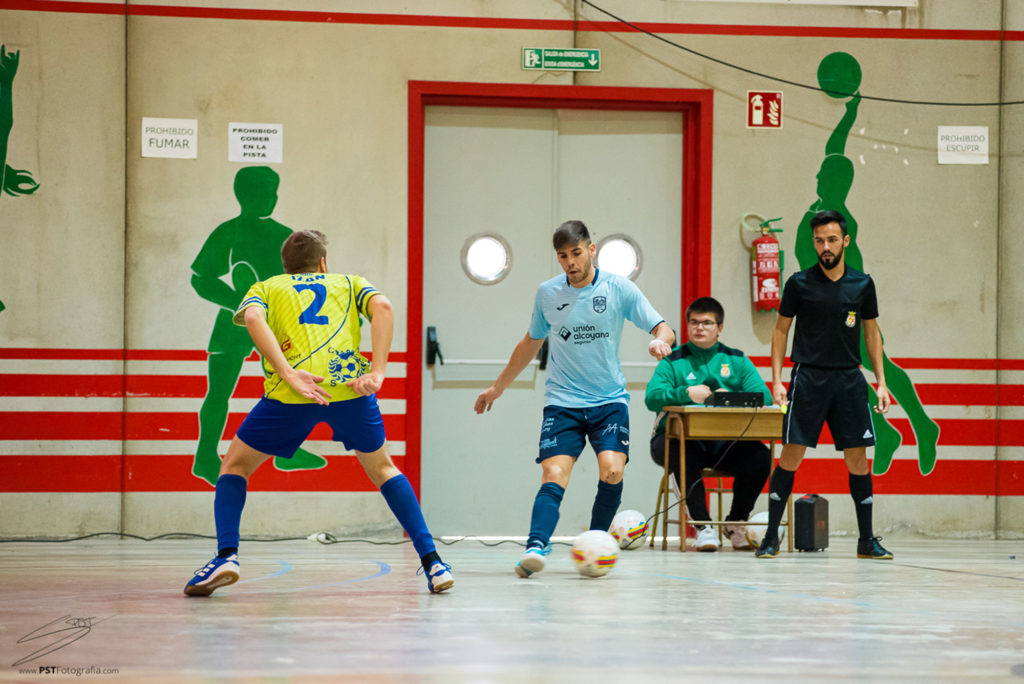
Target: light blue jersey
584,327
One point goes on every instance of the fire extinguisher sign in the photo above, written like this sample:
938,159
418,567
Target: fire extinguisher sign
764,109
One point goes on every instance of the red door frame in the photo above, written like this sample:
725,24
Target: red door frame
696,107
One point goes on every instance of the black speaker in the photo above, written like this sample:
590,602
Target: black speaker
810,523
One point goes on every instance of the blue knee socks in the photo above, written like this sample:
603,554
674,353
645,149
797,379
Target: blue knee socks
606,504
228,502
545,514
402,500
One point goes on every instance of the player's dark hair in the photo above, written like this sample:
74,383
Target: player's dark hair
823,218
707,305
303,250
570,234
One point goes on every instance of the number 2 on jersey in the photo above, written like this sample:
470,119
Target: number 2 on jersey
312,313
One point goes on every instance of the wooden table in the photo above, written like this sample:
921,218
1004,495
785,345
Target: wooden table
721,423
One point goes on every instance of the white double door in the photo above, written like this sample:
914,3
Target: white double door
519,173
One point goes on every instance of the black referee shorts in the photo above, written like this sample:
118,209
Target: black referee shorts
838,396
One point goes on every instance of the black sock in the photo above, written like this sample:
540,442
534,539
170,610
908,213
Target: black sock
429,559
227,551
863,502
778,494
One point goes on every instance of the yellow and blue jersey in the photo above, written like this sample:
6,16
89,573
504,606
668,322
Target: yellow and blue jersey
315,318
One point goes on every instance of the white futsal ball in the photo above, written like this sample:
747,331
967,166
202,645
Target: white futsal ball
629,529
594,553
756,532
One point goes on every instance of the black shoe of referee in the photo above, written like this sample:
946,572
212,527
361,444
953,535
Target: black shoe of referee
870,548
769,548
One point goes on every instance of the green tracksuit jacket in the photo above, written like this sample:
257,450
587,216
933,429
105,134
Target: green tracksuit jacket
719,367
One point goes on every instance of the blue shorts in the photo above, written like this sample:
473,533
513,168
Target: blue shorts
565,430
279,429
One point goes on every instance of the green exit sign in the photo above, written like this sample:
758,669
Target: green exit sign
561,59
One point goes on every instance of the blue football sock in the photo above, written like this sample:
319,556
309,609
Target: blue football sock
402,500
545,514
606,504
228,502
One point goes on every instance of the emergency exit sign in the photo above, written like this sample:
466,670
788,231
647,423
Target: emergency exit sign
561,59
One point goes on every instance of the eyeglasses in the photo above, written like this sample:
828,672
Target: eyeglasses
702,324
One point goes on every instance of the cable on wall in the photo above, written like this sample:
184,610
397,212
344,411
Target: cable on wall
778,79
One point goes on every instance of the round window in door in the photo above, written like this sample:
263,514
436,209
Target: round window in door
486,258
619,254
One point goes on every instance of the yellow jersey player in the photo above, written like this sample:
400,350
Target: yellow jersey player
305,323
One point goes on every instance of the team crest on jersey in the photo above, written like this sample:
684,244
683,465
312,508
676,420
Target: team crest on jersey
726,372
600,304
851,319
345,365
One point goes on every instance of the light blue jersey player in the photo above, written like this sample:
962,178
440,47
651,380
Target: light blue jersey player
581,314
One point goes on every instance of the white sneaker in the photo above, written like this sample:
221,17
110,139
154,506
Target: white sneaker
532,562
440,578
740,537
707,538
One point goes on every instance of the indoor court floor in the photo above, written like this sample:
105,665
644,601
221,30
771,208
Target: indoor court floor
943,610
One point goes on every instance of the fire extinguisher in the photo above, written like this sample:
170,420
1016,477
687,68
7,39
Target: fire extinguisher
766,268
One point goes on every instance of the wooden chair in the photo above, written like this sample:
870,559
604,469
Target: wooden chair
667,487
669,494
674,430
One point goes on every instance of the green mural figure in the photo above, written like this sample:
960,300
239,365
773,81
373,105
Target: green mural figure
12,181
839,75
245,249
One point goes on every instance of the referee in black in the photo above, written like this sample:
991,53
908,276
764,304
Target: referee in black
830,301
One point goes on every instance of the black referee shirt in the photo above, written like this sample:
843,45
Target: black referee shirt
828,315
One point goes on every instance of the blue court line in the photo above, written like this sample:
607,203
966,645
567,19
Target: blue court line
286,567
382,569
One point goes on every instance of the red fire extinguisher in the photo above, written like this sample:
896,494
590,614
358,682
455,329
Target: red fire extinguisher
766,268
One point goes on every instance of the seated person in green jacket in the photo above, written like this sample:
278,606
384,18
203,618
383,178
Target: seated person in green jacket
688,376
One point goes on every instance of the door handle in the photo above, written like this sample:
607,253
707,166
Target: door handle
433,347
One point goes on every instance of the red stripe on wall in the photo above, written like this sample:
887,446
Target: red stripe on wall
930,363
168,474
63,354
194,387
173,474
69,425
976,478
798,31
973,478
1009,478
61,473
343,473
173,386
506,23
134,354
